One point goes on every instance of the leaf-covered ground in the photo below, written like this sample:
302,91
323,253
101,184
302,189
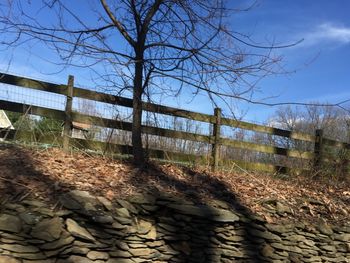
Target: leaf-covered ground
45,173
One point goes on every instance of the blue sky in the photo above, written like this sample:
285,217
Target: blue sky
318,68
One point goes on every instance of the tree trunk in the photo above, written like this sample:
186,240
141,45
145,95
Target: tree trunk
139,158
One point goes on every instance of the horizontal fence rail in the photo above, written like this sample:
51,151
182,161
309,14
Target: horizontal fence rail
215,140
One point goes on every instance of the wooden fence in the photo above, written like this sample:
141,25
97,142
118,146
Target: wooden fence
315,157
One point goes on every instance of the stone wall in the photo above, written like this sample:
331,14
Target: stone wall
83,228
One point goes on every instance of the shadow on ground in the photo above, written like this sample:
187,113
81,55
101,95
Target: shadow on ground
20,180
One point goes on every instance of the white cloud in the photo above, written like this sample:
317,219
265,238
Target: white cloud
327,33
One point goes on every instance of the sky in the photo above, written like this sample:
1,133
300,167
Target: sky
315,70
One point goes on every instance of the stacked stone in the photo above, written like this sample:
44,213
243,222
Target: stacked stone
150,228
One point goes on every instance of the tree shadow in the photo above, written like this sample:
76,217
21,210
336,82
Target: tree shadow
190,225
196,242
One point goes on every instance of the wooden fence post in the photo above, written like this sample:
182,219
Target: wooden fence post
67,131
318,149
216,135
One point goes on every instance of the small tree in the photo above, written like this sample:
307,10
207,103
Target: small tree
146,47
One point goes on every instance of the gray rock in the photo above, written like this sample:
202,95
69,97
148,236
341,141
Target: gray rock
40,261
286,248
8,259
10,223
69,202
296,238
29,218
48,229
103,219
342,237
75,259
120,254
105,202
282,229
122,212
23,256
268,251
325,229
19,248
123,220
120,260
147,199
139,252
58,243
264,234
95,255
118,226
329,248
210,213
282,209
127,206
34,203
76,230
80,250
15,207
143,227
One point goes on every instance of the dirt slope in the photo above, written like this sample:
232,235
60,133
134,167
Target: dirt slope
46,173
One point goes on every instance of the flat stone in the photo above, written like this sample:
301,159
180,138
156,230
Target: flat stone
296,238
150,208
105,202
209,213
19,248
342,237
120,254
118,226
268,251
45,211
325,229
69,202
103,219
147,199
95,255
232,238
139,252
29,218
329,248
8,259
123,220
80,250
40,261
48,229
76,230
151,235
122,245
33,203
183,246
10,223
122,212
280,228
287,248
282,209
58,243
15,207
264,234
75,259
153,244
120,260
143,227
232,253
127,206
31,256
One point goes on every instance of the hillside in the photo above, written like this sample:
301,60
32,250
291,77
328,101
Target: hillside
46,173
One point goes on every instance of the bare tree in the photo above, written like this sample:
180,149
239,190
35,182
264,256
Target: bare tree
146,47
